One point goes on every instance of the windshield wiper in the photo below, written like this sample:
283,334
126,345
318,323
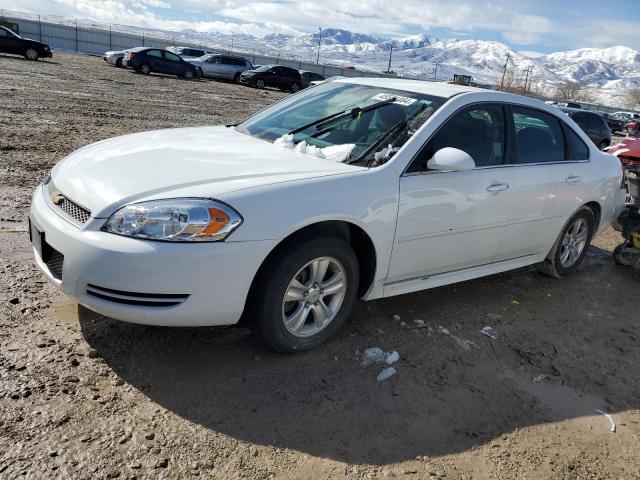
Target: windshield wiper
398,127
353,112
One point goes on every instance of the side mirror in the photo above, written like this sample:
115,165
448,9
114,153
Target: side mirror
449,159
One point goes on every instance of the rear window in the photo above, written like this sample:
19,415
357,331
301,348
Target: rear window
539,137
578,150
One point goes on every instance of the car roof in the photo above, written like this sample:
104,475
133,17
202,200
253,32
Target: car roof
438,89
572,110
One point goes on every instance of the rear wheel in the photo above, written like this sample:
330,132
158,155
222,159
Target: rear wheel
31,54
303,294
189,75
571,246
260,83
236,78
145,69
294,87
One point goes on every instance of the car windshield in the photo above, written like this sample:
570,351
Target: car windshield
263,68
337,114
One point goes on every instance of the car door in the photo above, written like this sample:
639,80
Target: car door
538,145
570,181
173,64
272,77
227,68
156,61
9,43
454,220
212,67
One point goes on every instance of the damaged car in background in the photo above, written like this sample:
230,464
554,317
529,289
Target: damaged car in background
356,188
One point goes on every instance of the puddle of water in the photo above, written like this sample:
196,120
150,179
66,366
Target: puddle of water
563,401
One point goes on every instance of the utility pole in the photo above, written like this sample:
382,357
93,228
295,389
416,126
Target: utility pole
319,44
504,71
435,72
232,41
526,78
390,52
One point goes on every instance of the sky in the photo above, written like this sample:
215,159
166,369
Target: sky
532,27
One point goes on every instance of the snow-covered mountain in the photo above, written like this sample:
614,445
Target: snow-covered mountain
609,71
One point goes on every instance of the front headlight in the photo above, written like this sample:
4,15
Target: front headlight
175,220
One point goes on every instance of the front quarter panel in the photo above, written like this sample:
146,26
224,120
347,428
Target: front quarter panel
368,199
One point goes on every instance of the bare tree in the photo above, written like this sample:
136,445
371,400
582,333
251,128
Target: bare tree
571,90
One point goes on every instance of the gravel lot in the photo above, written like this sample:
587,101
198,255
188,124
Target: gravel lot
83,396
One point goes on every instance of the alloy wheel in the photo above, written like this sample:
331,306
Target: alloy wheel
314,296
32,54
260,83
574,242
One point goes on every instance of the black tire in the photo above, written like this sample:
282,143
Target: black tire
188,75
31,54
259,83
265,302
552,266
145,69
603,144
294,87
199,73
119,63
236,78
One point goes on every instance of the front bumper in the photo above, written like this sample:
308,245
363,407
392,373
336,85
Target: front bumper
154,283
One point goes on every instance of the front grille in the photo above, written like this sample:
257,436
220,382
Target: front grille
68,206
137,298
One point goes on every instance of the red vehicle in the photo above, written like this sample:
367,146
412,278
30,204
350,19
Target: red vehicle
628,151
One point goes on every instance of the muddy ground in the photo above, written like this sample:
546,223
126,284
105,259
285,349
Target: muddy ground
83,396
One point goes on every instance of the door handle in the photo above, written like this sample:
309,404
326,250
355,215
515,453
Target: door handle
497,187
572,179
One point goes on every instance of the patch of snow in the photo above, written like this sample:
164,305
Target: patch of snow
386,373
391,357
489,332
334,153
372,356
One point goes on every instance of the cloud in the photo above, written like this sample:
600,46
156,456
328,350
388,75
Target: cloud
155,3
531,53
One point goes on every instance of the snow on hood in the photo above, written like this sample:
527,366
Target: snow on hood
335,153
202,162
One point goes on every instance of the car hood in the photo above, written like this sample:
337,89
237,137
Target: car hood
185,162
629,147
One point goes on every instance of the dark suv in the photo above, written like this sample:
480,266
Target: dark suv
11,42
278,76
147,60
593,125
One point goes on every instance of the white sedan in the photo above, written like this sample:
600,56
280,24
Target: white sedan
355,188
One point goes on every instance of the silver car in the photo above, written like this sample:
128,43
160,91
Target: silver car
221,66
116,57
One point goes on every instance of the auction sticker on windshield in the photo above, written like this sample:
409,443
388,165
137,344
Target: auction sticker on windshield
406,101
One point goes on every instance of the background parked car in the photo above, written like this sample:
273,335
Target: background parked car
116,57
188,53
278,76
615,124
308,77
221,66
148,60
592,124
11,42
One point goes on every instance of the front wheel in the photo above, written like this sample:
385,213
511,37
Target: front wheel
236,78
260,83
571,246
31,54
303,294
189,75
119,63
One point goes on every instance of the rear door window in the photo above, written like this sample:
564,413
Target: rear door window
539,137
155,53
578,150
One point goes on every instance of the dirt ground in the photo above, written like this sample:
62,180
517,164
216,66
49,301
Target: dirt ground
83,396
